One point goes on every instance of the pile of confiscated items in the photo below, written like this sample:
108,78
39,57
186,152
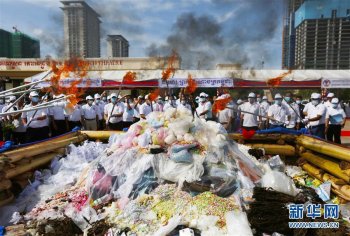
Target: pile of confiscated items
169,173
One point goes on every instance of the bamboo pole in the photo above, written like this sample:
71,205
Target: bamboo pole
326,164
38,161
275,149
326,148
265,137
44,147
99,135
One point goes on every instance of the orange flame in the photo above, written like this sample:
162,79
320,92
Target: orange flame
276,82
74,65
129,77
191,85
170,70
220,104
154,95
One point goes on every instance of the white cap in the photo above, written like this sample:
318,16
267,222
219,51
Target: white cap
203,94
335,100
278,96
113,95
251,95
108,97
140,97
264,98
159,97
197,98
239,101
89,98
146,97
330,95
33,94
97,96
166,98
12,98
315,96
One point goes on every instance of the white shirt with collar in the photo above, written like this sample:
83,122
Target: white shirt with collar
76,114
250,120
145,109
89,112
112,109
336,116
294,115
33,115
101,105
264,107
279,113
206,106
57,112
128,114
224,116
313,111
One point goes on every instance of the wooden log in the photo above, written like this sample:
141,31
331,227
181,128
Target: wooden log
313,171
5,184
7,200
274,149
323,147
326,164
38,161
265,137
100,135
40,148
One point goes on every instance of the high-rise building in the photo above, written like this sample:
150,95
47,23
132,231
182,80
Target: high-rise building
81,29
117,46
288,45
18,45
322,35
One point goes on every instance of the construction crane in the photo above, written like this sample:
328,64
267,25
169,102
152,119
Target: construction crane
16,29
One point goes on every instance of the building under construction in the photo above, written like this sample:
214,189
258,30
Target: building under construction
317,35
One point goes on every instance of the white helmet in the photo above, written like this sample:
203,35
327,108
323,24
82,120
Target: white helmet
97,96
203,94
330,95
89,98
264,98
113,95
239,101
315,96
12,98
278,96
335,100
33,94
252,95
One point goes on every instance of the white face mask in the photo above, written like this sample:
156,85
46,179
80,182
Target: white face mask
334,105
202,99
298,101
251,100
314,102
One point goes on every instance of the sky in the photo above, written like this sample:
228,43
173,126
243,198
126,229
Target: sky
203,32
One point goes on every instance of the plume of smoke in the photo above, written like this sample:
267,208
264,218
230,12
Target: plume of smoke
244,36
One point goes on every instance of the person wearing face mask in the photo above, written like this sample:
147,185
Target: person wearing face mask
335,121
114,115
145,108
258,98
294,112
74,119
278,114
90,114
250,121
204,107
100,105
184,104
137,105
264,107
170,103
128,114
158,105
315,116
224,117
35,121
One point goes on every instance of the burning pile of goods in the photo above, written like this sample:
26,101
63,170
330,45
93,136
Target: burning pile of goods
169,173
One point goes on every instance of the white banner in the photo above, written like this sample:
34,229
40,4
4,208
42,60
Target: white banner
201,83
67,82
339,83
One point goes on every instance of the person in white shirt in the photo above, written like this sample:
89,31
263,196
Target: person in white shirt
137,104
128,114
89,114
335,121
278,114
250,121
58,120
74,119
315,116
204,109
224,117
101,105
264,107
145,108
170,102
184,103
159,105
114,113
294,122
35,121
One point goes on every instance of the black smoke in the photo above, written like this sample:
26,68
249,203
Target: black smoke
245,37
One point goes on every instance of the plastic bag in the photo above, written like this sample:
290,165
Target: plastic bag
237,224
276,163
279,182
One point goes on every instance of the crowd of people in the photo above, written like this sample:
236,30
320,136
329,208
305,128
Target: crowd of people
323,117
